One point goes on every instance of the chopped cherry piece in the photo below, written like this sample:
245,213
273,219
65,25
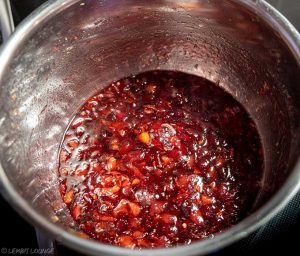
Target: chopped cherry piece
168,218
111,164
134,209
135,182
69,196
144,137
76,211
126,241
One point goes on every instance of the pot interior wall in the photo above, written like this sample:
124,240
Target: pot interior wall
86,46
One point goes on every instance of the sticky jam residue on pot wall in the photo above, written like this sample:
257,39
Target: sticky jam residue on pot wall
159,159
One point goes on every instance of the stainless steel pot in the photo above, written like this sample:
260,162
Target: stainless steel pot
69,49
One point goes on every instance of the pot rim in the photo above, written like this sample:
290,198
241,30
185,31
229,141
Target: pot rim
289,35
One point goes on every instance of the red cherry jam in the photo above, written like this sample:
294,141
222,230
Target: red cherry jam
159,159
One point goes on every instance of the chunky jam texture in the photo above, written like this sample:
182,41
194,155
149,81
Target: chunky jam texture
159,159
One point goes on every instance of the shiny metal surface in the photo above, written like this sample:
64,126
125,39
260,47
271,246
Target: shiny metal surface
6,20
289,8
68,50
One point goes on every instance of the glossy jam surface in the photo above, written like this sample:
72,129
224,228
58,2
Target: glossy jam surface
159,159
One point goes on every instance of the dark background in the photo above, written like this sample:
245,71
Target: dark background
280,236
